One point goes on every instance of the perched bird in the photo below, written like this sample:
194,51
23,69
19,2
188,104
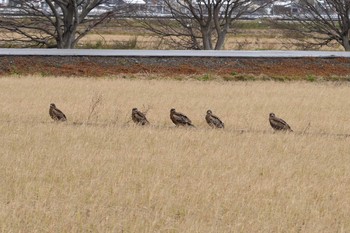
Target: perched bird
179,118
56,114
278,124
213,120
139,117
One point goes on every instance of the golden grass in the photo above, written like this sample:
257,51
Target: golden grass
108,175
252,39
256,41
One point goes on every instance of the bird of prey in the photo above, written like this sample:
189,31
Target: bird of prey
139,117
56,114
213,120
278,124
179,118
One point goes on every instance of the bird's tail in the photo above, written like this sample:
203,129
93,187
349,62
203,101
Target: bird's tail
190,124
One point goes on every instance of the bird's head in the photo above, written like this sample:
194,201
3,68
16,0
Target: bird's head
209,112
172,110
134,109
272,114
52,105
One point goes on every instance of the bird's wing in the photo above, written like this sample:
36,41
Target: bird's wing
140,115
281,121
216,120
182,118
60,114
278,123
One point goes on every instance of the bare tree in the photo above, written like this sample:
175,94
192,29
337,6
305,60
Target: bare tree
322,22
54,23
201,24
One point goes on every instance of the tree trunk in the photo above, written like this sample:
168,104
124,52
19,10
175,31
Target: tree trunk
68,40
346,43
221,40
70,26
206,38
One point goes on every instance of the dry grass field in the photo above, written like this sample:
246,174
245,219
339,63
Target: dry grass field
252,39
258,40
98,172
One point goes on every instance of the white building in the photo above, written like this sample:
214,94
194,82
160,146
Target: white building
4,2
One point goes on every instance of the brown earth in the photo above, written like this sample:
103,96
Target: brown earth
289,68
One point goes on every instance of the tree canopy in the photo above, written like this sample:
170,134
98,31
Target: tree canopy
56,24
202,24
323,22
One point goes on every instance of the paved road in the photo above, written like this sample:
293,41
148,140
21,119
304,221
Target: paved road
168,53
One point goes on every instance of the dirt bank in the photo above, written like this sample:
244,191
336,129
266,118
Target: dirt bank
172,66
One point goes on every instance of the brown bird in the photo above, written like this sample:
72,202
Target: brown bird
278,124
56,114
213,120
179,118
139,117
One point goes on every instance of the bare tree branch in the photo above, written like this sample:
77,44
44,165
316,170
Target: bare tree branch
59,24
201,24
321,23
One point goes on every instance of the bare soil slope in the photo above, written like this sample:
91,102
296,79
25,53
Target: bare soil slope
104,66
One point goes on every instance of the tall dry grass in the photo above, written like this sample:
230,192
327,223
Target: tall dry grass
259,40
103,174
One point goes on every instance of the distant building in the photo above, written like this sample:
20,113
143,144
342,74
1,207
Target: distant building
284,7
122,2
4,2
